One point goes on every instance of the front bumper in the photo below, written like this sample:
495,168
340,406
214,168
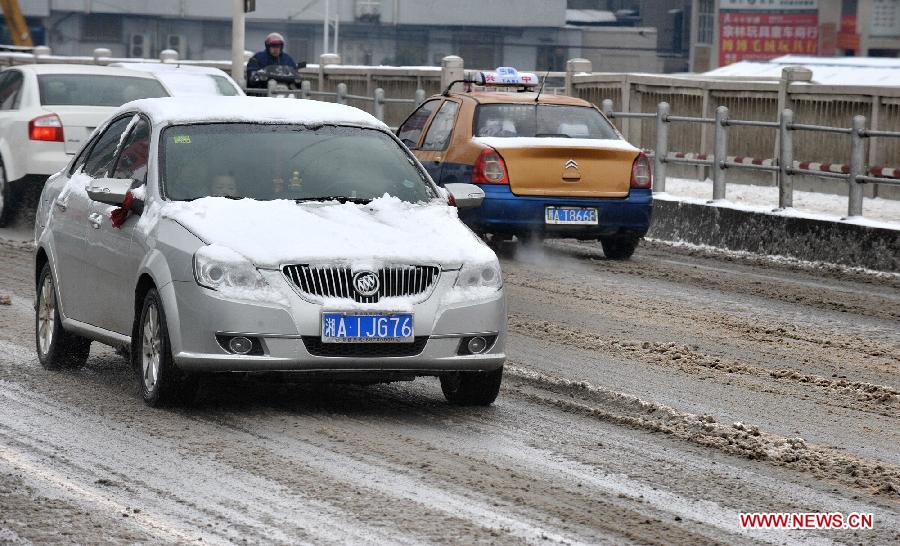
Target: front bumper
503,212
195,315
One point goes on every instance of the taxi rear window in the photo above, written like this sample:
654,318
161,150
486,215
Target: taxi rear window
541,120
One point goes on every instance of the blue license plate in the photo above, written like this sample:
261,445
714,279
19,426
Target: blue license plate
354,328
571,216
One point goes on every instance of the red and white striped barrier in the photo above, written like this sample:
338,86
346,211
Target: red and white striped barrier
822,167
885,172
839,168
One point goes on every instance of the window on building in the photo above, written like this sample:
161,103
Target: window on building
551,58
216,34
479,49
101,27
706,13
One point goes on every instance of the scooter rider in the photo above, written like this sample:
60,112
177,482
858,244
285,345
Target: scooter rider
273,54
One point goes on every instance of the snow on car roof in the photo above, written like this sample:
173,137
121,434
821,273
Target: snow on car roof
81,69
171,110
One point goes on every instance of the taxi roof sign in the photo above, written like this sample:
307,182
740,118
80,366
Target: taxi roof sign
507,76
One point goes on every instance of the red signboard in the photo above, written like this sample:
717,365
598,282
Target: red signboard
756,35
847,37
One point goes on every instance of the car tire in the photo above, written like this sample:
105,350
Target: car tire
619,248
161,382
7,198
56,348
472,388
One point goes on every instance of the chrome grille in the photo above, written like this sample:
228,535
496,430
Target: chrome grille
337,282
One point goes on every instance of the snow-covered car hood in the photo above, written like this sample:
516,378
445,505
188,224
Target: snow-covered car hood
274,233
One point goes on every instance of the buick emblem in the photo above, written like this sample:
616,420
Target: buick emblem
366,283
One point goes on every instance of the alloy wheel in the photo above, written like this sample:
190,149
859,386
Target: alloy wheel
46,315
151,349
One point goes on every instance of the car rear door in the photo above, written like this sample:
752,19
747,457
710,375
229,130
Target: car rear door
111,264
67,222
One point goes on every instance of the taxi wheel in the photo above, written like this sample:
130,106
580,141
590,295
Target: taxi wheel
619,248
56,348
472,388
161,382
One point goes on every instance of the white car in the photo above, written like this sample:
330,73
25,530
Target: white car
48,111
184,80
223,234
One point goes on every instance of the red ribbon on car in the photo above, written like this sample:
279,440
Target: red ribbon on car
119,215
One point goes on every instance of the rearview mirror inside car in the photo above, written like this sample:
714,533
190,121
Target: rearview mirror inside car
467,196
111,191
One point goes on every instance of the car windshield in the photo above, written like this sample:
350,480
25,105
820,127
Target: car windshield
541,120
266,162
96,89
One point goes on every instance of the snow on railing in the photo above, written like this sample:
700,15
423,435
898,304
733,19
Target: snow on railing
856,173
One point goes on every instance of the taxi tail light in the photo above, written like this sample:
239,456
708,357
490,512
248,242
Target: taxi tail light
641,175
48,128
490,168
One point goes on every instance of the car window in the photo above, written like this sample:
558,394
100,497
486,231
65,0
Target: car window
541,120
411,129
83,155
438,136
290,162
10,89
96,89
192,84
132,161
99,161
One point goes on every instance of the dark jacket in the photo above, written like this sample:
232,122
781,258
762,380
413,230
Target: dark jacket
263,59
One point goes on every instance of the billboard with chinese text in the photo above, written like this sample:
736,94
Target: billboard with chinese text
757,30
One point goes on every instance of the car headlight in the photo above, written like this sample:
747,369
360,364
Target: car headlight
483,275
221,269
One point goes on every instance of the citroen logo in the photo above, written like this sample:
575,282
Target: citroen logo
366,283
571,173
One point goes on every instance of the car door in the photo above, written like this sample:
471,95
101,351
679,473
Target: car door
67,222
91,307
410,131
112,265
10,97
433,150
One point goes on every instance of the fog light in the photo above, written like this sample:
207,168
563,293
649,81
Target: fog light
477,345
240,345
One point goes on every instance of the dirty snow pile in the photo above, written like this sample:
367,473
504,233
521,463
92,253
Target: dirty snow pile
877,212
272,233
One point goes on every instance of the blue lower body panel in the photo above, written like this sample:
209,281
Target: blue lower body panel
504,213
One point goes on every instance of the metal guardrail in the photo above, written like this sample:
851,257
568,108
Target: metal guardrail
856,173
341,96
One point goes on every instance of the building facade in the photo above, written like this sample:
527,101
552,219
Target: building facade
728,31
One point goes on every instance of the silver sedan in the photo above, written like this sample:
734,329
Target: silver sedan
255,235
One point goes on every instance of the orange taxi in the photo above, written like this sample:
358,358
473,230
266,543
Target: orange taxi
550,166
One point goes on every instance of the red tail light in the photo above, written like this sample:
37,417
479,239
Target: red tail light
490,168
48,128
641,175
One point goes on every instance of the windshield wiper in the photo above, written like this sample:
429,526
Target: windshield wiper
339,198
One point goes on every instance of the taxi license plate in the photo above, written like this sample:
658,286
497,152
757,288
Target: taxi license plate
362,328
571,216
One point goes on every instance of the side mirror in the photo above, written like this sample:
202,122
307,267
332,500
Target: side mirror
467,196
111,191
